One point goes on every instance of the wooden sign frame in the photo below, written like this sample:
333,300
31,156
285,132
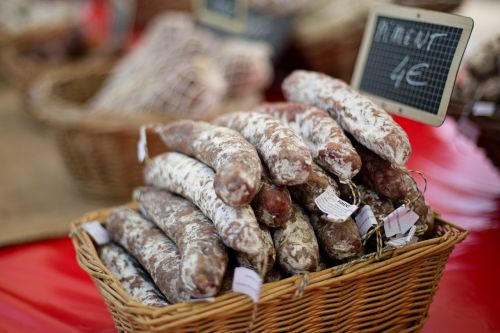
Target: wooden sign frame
417,15
211,18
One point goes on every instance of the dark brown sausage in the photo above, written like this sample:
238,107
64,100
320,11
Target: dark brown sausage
272,205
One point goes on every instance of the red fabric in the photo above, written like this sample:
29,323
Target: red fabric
42,289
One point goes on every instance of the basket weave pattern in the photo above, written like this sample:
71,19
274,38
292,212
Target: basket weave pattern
99,154
391,295
103,164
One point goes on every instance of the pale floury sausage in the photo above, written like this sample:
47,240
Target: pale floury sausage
131,275
177,173
296,244
152,248
203,255
368,123
329,145
283,151
235,161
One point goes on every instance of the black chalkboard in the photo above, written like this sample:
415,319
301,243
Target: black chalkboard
410,63
228,15
225,8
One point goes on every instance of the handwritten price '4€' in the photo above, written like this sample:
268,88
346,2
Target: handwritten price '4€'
411,75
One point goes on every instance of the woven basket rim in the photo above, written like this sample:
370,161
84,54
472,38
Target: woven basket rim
58,112
182,313
64,114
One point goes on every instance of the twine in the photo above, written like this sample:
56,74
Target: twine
356,200
304,281
377,231
410,202
338,270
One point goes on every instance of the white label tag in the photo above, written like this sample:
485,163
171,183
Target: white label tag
365,220
329,203
97,232
411,233
409,238
142,145
399,221
247,282
483,109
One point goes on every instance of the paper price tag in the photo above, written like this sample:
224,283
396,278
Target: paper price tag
247,282
409,238
483,109
97,232
142,145
329,203
399,221
365,220
411,233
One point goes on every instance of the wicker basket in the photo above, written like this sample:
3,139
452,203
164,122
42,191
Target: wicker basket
390,295
147,10
23,69
98,151
45,31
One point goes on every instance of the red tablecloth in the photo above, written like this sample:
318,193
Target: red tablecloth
42,289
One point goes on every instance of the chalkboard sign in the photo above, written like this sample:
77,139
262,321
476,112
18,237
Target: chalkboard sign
229,15
409,60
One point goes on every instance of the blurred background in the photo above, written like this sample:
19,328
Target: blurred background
58,162
78,78
68,127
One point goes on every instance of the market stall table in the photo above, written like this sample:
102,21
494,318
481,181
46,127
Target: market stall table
42,289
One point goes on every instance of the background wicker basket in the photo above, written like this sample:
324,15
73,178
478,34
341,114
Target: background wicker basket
146,10
22,67
99,151
392,294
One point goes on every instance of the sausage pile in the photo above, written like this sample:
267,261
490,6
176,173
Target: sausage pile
242,192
